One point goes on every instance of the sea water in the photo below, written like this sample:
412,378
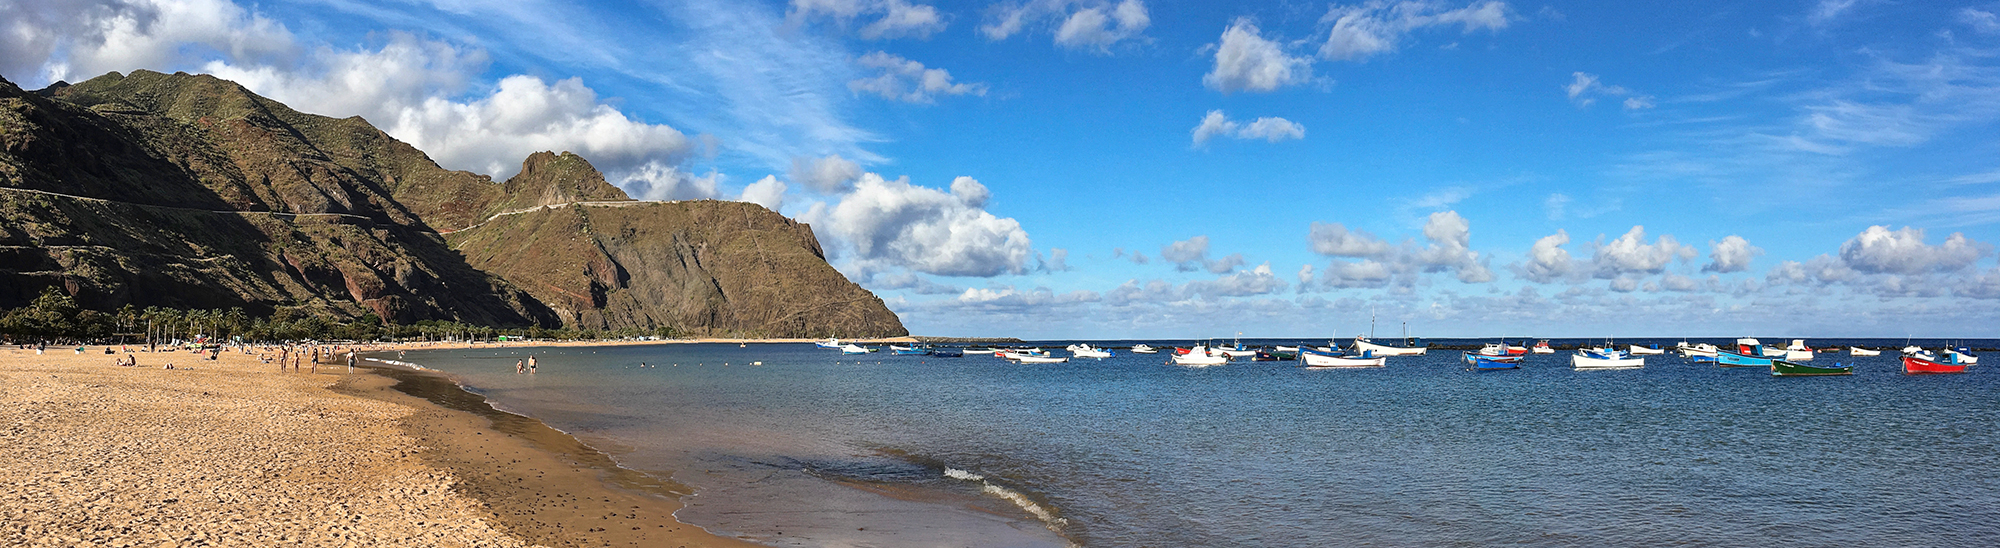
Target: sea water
817,448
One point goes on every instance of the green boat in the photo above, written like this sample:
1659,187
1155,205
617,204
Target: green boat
1782,368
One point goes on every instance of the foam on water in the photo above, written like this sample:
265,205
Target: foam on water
1048,517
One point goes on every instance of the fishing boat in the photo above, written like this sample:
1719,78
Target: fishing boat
1960,356
1597,360
1782,368
1858,351
1086,351
1325,360
1726,358
1484,362
1798,351
1542,348
1702,350
1502,349
1362,344
1198,356
1918,366
1039,359
851,348
1015,354
1637,350
909,350
988,351
829,343
1262,356
1237,351
1919,353
1143,349
948,353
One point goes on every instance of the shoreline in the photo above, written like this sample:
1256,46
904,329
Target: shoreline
233,452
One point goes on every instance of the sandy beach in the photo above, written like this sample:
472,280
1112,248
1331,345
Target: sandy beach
233,452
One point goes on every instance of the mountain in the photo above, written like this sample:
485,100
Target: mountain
190,191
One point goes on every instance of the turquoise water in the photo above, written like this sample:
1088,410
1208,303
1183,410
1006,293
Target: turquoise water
813,448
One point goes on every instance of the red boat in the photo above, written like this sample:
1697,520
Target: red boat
1919,365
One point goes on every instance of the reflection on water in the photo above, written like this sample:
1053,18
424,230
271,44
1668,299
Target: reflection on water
818,449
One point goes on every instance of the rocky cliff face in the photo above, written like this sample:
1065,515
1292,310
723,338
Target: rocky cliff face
190,191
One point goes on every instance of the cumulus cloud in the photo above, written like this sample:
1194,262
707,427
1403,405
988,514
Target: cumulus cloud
891,18
1630,254
658,181
1192,254
79,39
1584,89
1246,61
1272,129
1058,260
1334,240
1448,249
900,79
1135,256
405,89
1088,25
925,229
903,280
1547,260
768,192
828,175
1732,254
1879,250
1365,30
1244,283
1100,27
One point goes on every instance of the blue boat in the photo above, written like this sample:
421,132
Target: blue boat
1726,358
910,350
1489,363
948,353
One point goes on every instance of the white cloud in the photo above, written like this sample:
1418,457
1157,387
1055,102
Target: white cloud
1100,27
828,175
1826,11
1086,24
1058,260
1982,21
1257,281
1365,30
768,192
892,18
1630,254
1272,129
924,229
405,89
970,191
1732,254
1246,61
892,281
1547,260
1557,205
1135,256
1191,250
1584,89
80,39
1879,250
1450,248
658,181
1334,240
900,79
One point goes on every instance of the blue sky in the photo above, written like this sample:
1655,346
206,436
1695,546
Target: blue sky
1165,169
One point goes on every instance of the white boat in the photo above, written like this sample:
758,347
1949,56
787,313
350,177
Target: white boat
1143,349
1542,348
829,343
1039,359
1920,354
1320,361
1952,355
1798,351
1017,354
1086,351
1237,351
1287,349
988,351
1583,360
1361,344
1637,350
1912,350
851,348
1858,351
1199,356
1703,350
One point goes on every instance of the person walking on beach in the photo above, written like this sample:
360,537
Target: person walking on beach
350,360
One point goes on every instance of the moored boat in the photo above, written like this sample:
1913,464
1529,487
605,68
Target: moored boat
1492,363
1039,359
1637,350
1960,356
1858,351
1198,356
1087,351
1782,368
948,353
851,348
1597,360
1916,366
1142,348
829,343
1543,348
1362,344
909,350
1726,358
1315,359
1701,350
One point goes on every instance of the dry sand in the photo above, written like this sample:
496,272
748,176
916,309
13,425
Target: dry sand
234,453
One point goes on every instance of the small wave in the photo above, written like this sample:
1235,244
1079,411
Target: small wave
1048,517
955,473
396,363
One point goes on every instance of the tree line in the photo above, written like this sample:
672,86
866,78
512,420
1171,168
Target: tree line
55,316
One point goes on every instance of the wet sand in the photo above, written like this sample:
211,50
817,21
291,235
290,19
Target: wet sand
234,453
